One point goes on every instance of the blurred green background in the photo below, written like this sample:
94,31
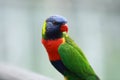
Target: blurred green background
93,24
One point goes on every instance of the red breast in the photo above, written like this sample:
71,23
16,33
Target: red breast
52,48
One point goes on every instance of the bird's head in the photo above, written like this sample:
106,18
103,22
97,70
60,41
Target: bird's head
54,26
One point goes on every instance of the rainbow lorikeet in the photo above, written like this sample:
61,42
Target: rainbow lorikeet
63,52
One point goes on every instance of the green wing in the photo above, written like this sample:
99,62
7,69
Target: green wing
74,59
73,44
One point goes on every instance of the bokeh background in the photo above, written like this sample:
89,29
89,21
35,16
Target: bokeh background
93,24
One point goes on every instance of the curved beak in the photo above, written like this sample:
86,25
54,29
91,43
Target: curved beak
64,28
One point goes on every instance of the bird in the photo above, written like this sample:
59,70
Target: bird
63,53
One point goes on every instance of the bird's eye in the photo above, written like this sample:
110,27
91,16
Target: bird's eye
55,23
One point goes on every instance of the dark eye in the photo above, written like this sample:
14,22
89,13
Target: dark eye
55,23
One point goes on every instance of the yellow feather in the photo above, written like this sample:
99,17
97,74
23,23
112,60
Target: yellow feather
65,78
44,28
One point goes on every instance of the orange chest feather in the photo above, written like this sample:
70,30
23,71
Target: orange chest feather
52,48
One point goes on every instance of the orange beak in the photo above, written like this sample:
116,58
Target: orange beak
64,28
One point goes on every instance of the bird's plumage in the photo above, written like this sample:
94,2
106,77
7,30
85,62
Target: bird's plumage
74,59
63,52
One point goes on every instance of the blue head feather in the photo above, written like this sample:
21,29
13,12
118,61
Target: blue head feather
57,18
53,24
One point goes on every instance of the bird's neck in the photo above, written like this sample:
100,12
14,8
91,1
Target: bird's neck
52,35
52,48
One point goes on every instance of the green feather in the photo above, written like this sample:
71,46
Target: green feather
74,59
73,44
